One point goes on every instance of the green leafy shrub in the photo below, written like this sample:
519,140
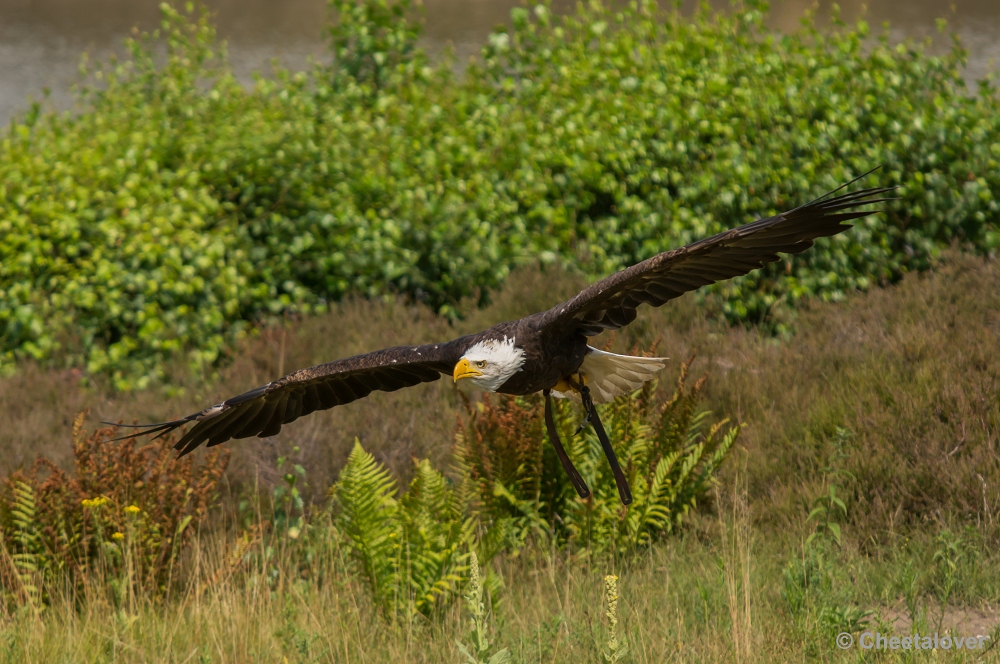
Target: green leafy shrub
175,208
121,251
125,511
374,42
640,134
668,452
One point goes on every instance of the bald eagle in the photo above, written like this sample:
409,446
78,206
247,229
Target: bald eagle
545,352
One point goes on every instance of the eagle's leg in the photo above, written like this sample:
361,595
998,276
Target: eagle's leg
574,474
620,480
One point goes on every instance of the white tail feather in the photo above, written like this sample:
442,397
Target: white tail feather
609,375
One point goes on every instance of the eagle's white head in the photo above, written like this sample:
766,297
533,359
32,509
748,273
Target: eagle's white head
488,364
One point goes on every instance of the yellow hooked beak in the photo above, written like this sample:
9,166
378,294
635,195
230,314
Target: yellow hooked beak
465,370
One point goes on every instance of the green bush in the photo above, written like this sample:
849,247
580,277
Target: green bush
176,207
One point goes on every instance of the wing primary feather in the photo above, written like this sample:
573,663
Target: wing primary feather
645,296
204,429
391,381
223,434
412,377
327,397
293,408
835,204
162,428
661,292
162,433
182,445
256,423
840,188
122,425
253,408
277,418
247,396
368,379
344,391
237,423
263,410
358,387
310,399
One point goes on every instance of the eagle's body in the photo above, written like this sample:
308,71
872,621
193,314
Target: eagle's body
545,352
547,358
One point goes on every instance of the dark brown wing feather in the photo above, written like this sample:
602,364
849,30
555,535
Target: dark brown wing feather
612,302
262,411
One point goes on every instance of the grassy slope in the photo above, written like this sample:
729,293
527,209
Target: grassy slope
912,370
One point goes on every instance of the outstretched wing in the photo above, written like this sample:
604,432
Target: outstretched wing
612,302
262,411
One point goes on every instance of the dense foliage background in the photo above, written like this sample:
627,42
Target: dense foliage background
175,207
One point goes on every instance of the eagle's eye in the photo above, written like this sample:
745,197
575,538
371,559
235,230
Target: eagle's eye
481,363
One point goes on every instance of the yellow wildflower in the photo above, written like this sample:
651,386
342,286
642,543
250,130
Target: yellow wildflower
132,509
94,502
118,536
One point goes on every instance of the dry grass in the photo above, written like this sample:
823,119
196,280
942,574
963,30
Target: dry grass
702,597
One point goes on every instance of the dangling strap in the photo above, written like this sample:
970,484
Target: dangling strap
620,480
574,475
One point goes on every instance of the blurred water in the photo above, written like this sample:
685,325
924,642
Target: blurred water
41,40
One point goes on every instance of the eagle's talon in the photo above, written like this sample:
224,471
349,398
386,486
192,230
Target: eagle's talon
588,404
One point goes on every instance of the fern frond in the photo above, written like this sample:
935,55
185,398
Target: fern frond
28,557
436,531
369,518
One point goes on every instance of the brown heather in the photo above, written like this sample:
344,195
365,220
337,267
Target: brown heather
152,499
502,444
